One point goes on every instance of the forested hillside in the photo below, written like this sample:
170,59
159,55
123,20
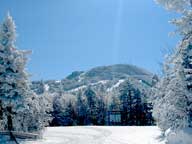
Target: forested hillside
107,95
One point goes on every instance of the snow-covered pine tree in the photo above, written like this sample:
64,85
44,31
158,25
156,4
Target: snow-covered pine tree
126,98
64,112
175,5
131,105
20,106
114,102
158,93
70,112
92,102
102,109
81,108
173,107
39,87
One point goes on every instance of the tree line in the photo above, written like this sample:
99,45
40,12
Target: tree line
93,107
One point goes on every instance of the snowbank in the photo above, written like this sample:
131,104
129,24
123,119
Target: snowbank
183,136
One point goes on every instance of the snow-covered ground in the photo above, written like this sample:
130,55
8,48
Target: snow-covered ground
100,135
116,85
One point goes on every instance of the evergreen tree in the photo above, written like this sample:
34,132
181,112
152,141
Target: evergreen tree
173,102
57,108
114,103
64,111
92,102
130,104
70,116
38,87
175,5
102,110
81,108
19,105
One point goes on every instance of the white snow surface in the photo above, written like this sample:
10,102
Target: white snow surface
100,135
179,137
116,85
46,87
78,88
84,86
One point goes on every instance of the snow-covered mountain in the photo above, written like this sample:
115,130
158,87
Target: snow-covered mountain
107,77
96,91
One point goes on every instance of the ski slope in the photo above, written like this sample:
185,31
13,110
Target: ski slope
100,135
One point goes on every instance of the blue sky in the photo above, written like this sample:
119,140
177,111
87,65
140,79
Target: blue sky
70,35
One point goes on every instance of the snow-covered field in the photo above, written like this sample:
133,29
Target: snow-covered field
100,135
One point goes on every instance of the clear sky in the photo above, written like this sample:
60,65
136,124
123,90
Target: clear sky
73,35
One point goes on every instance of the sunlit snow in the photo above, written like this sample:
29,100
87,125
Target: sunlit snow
101,135
116,85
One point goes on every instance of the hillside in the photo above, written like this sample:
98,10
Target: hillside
108,76
85,98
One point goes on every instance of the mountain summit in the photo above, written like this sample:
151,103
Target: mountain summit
109,76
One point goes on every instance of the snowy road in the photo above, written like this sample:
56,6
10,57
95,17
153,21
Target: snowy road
100,135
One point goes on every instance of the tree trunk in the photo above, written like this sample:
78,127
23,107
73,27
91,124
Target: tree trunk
9,118
1,110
